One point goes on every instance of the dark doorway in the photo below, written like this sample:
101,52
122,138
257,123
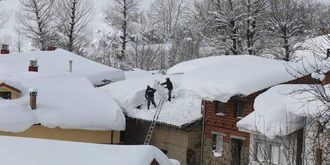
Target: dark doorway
5,95
236,148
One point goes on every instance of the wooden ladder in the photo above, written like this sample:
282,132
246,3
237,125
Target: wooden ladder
154,122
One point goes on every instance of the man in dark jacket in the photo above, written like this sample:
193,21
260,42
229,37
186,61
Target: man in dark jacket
150,96
169,87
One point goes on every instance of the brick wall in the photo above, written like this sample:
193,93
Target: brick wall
226,125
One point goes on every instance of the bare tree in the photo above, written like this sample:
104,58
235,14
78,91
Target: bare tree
36,21
227,18
284,26
3,19
121,15
254,24
145,55
19,40
74,18
167,15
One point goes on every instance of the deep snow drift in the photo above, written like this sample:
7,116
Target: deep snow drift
221,77
129,94
57,62
28,151
64,101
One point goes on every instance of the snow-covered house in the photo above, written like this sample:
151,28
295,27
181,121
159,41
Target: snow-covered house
290,125
179,126
29,151
228,86
59,62
50,97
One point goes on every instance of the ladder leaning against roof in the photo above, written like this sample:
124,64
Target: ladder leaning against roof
154,122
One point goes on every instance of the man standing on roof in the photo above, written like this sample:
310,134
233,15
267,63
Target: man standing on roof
169,87
150,96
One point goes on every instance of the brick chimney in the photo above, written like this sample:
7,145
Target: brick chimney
5,49
326,79
51,48
33,98
33,66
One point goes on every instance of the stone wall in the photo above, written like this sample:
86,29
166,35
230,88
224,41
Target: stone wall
182,144
226,158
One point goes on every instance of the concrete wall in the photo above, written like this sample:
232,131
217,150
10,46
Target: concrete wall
38,131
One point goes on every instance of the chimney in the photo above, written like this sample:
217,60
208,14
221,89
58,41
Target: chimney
51,48
70,65
33,66
33,98
5,49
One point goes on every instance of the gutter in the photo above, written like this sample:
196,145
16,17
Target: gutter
202,132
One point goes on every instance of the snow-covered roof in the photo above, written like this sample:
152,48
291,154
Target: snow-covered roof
281,110
315,46
129,94
65,101
57,62
221,77
28,151
138,73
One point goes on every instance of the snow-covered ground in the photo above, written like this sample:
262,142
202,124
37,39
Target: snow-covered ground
281,110
129,94
28,151
57,62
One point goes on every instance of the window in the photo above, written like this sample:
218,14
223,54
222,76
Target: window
239,109
217,144
5,95
275,154
220,108
267,152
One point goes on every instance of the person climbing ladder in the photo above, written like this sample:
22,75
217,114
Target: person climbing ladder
150,96
169,87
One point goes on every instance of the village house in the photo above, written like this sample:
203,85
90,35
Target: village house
228,86
51,95
178,129
30,151
290,124
226,96
284,126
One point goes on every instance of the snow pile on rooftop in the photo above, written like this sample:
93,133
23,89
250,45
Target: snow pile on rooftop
57,62
138,73
221,77
65,101
315,46
129,94
28,151
281,110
